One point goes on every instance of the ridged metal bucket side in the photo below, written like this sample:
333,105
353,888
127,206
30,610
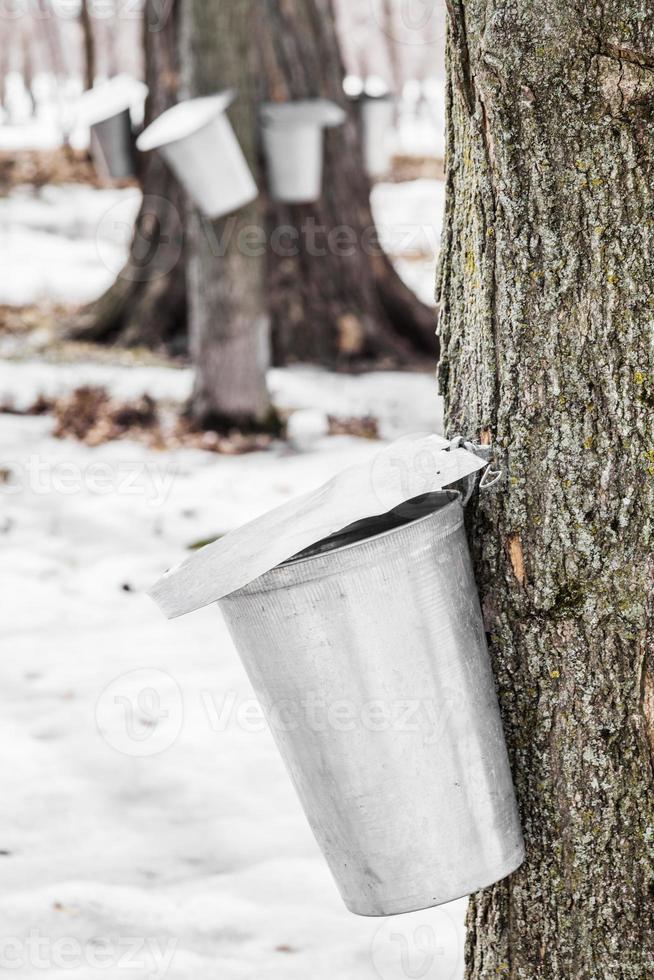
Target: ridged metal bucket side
371,665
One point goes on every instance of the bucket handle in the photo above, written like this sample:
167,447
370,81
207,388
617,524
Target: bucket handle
491,477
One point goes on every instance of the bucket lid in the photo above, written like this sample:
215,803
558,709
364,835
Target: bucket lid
404,470
304,112
184,119
108,99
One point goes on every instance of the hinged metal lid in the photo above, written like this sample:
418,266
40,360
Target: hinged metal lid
108,99
402,471
184,119
305,112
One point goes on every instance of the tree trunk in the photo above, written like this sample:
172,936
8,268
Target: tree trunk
147,303
546,286
228,322
86,22
334,296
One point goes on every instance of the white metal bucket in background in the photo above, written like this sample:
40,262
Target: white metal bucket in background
200,146
106,110
368,654
112,146
293,146
377,125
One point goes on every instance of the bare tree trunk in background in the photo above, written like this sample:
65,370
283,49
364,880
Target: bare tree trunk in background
28,68
147,303
345,303
51,34
86,22
547,292
228,320
336,303
392,49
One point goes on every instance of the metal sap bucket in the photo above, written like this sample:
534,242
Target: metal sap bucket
201,148
368,654
106,109
112,146
377,124
293,147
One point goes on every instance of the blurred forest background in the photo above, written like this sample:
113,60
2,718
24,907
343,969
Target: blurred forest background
160,385
343,312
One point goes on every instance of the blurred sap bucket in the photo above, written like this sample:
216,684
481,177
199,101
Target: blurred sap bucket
201,148
293,147
106,109
377,124
112,146
400,764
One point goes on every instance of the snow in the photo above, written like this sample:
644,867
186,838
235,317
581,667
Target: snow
63,244
409,216
144,797
67,243
402,402
149,828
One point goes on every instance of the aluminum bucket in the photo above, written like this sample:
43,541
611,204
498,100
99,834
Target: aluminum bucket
295,162
112,146
293,145
201,148
368,655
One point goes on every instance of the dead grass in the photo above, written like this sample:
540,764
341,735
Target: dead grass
62,165
91,416
405,167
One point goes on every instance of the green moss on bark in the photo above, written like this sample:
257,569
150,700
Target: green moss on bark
546,287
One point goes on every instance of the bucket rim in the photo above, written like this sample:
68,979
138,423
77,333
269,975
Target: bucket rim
453,497
110,98
302,114
273,579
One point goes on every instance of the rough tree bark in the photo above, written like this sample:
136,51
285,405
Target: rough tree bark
334,296
547,292
228,321
147,303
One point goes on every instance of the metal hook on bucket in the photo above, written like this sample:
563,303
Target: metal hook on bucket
491,477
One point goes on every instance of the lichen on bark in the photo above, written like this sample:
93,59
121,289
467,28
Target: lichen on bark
546,286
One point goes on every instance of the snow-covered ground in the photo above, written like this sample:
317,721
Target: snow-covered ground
147,826
146,816
67,243
64,243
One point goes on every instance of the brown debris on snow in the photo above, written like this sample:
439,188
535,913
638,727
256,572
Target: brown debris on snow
39,167
90,415
365,427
